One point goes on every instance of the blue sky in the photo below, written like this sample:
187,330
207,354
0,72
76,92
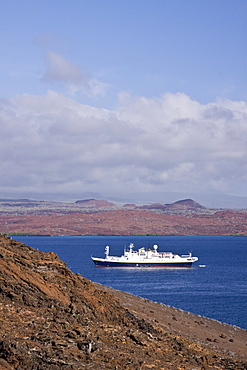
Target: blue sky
149,94
144,47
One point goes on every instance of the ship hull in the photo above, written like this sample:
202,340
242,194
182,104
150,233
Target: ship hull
102,263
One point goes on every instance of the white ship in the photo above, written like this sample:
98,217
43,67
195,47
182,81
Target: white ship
144,258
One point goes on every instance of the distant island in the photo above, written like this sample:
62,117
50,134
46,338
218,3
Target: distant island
101,217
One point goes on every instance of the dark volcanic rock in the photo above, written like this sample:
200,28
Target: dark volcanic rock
53,319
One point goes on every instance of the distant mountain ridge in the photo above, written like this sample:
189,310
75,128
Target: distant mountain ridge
95,203
209,200
100,202
180,205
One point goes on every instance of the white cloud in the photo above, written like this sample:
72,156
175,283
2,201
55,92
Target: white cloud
59,69
73,77
53,144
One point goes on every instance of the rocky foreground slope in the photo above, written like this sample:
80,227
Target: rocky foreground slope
54,319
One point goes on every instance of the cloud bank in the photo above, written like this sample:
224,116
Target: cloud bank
73,77
53,144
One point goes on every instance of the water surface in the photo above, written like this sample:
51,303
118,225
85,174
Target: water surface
218,290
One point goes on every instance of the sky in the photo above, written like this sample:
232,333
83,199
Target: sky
123,97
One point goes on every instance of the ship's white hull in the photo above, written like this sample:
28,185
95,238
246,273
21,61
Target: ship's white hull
144,258
103,262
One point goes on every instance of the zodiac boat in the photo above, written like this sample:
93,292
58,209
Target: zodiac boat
144,258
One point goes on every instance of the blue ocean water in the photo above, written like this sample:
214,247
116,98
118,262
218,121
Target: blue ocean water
218,290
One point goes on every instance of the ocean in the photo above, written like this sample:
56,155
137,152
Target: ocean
217,291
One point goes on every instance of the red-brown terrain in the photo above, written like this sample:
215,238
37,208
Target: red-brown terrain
99,217
53,319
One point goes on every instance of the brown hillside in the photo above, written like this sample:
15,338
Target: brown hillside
99,217
53,319
126,222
